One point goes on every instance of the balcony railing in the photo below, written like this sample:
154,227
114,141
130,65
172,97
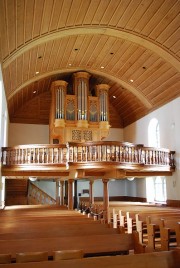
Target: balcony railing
63,154
34,154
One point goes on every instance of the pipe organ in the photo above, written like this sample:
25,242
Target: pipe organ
78,116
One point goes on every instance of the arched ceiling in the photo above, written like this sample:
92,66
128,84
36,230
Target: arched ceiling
133,45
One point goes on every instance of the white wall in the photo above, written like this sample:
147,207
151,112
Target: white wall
39,134
115,134
116,188
4,120
169,123
28,134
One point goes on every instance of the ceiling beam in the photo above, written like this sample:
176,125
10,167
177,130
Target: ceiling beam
130,36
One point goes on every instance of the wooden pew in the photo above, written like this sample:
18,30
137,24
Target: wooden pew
168,228
125,212
60,231
144,218
92,245
154,224
166,259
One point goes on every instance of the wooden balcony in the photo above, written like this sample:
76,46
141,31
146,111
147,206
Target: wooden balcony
97,159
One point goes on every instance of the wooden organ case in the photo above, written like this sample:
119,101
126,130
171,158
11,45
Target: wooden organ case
79,116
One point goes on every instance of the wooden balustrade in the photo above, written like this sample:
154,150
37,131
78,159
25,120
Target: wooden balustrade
38,196
34,154
120,152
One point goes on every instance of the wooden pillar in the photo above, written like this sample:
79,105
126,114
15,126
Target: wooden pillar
75,195
66,193
105,197
57,193
70,193
62,193
91,197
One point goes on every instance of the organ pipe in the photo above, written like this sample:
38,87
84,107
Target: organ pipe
58,89
103,101
81,90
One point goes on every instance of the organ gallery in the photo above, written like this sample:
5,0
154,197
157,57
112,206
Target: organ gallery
80,115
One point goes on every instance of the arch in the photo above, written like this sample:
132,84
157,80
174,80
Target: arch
124,84
132,37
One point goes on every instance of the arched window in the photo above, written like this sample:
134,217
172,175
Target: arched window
155,186
160,189
154,133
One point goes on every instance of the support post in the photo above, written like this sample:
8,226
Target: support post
57,193
91,197
62,193
105,198
70,193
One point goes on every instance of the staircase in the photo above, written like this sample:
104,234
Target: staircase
24,192
36,196
16,192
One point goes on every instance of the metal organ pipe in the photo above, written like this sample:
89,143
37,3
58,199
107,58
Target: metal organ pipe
59,88
85,106
81,90
56,105
103,101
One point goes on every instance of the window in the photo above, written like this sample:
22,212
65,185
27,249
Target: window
160,189
155,186
154,133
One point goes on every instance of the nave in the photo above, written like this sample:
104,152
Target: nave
53,236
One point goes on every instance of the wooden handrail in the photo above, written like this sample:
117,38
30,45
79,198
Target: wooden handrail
103,151
38,196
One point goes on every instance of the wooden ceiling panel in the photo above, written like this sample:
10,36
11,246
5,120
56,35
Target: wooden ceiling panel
171,28
157,84
28,20
163,97
57,8
47,56
25,66
131,39
20,25
138,12
173,42
127,13
157,16
153,65
164,87
133,58
169,16
146,17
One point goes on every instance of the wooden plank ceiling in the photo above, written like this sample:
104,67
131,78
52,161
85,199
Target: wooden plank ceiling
133,45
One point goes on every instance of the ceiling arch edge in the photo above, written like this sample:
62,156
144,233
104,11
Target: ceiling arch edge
129,87
93,30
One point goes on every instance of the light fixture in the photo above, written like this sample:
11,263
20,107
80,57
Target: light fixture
131,80
37,72
34,92
33,178
172,125
69,64
130,179
102,67
114,97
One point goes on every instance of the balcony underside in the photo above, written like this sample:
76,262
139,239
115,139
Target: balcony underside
87,170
